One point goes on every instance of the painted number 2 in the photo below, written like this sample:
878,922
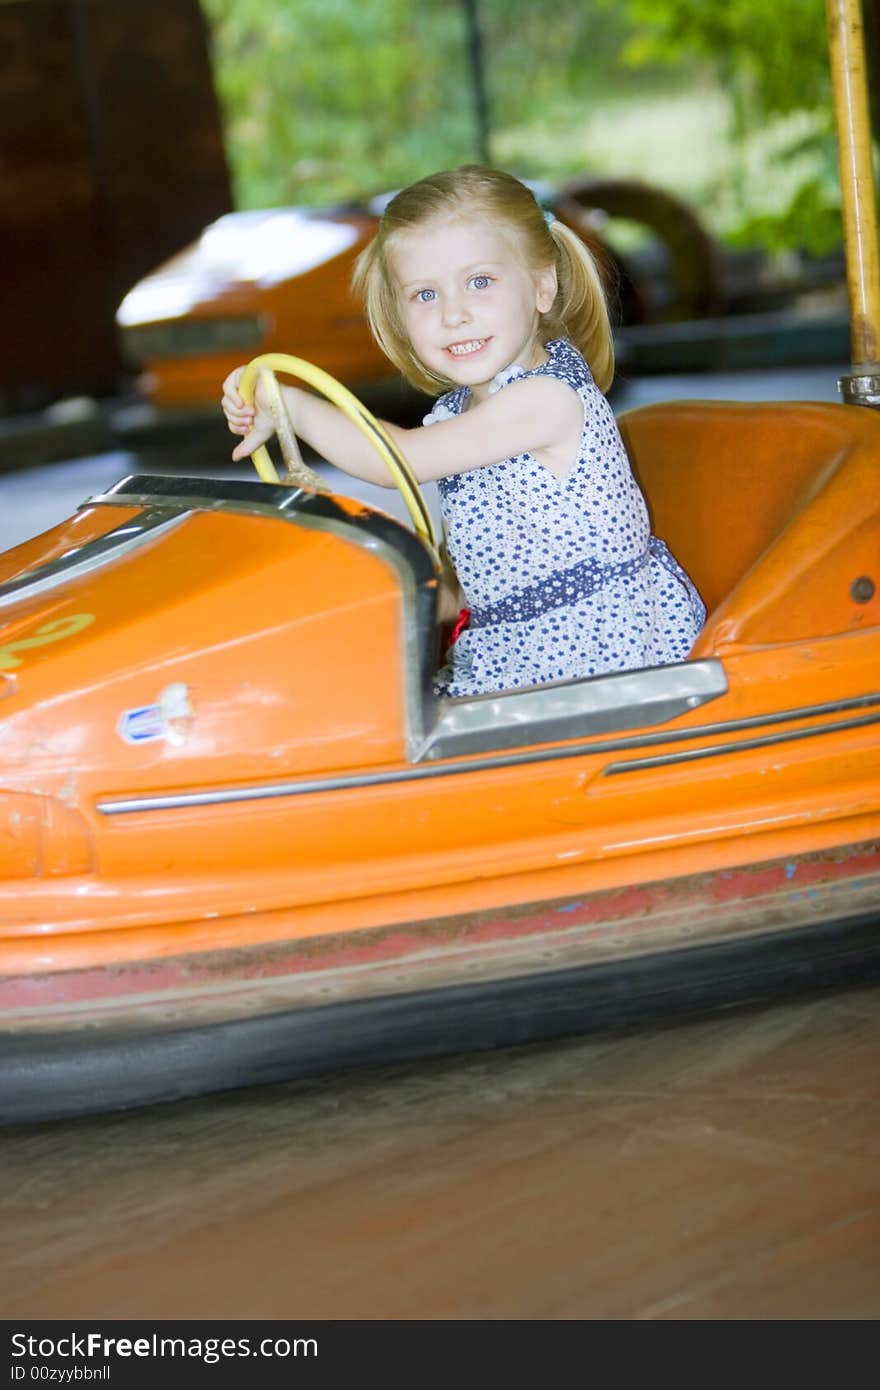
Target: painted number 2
49,632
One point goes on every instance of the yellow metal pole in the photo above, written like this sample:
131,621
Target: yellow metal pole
848,72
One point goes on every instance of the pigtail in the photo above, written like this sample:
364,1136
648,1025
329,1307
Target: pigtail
580,309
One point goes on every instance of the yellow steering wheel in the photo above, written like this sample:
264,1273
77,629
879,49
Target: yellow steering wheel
263,368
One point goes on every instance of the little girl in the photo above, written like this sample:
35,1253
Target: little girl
469,286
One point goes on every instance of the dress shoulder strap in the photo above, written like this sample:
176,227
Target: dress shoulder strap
566,363
449,404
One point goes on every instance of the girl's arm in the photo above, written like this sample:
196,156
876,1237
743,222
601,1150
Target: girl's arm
540,415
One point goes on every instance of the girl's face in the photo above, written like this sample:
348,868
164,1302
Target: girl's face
468,303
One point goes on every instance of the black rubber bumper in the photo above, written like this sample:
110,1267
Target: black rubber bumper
57,1075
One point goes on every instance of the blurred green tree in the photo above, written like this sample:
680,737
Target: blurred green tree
771,57
329,99
335,100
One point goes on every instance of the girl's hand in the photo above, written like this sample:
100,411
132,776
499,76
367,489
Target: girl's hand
256,425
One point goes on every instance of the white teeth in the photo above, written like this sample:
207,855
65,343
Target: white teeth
461,349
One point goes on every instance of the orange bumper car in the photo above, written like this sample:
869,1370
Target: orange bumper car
242,841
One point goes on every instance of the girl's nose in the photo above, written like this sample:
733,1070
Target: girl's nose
455,311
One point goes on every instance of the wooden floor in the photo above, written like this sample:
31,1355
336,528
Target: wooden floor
721,1168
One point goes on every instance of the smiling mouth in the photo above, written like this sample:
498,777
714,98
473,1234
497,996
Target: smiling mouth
465,349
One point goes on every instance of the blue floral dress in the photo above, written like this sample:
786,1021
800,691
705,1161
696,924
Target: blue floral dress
562,576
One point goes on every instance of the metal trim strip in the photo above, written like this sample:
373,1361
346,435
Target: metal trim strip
743,746
390,776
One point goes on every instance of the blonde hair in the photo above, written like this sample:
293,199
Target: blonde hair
579,311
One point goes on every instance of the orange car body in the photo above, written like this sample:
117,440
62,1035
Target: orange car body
229,795
253,282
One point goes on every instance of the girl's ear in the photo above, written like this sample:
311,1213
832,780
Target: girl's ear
545,289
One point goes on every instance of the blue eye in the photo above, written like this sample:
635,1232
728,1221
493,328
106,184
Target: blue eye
480,282
425,296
